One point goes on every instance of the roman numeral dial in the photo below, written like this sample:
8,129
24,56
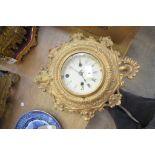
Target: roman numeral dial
82,74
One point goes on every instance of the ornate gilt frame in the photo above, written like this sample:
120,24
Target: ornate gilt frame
10,40
31,43
116,69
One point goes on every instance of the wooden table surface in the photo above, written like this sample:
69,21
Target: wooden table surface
28,93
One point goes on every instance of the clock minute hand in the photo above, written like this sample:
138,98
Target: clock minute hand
79,72
74,69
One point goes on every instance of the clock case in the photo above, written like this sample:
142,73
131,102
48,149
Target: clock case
16,42
116,68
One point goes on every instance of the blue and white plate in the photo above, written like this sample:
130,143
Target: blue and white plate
37,120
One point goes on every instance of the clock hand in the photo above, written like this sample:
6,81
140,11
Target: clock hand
74,69
81,73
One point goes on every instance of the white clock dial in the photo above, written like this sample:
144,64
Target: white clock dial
82,73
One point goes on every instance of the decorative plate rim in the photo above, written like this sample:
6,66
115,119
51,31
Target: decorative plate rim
24,114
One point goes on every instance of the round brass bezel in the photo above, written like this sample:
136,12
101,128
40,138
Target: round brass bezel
64,59
63,55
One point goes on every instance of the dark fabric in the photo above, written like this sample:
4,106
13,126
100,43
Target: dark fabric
3,73
143,109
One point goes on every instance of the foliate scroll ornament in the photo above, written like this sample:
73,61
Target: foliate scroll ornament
115,99
128,67
106,41
107,94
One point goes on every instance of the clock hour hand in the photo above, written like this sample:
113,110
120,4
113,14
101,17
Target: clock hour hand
81,74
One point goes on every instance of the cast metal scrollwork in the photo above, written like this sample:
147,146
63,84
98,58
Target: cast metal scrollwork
116,69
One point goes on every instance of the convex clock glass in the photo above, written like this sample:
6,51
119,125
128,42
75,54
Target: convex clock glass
82,74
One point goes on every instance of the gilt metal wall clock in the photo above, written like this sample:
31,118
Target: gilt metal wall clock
84,75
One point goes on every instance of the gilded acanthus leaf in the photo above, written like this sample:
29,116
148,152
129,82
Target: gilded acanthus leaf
128,67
